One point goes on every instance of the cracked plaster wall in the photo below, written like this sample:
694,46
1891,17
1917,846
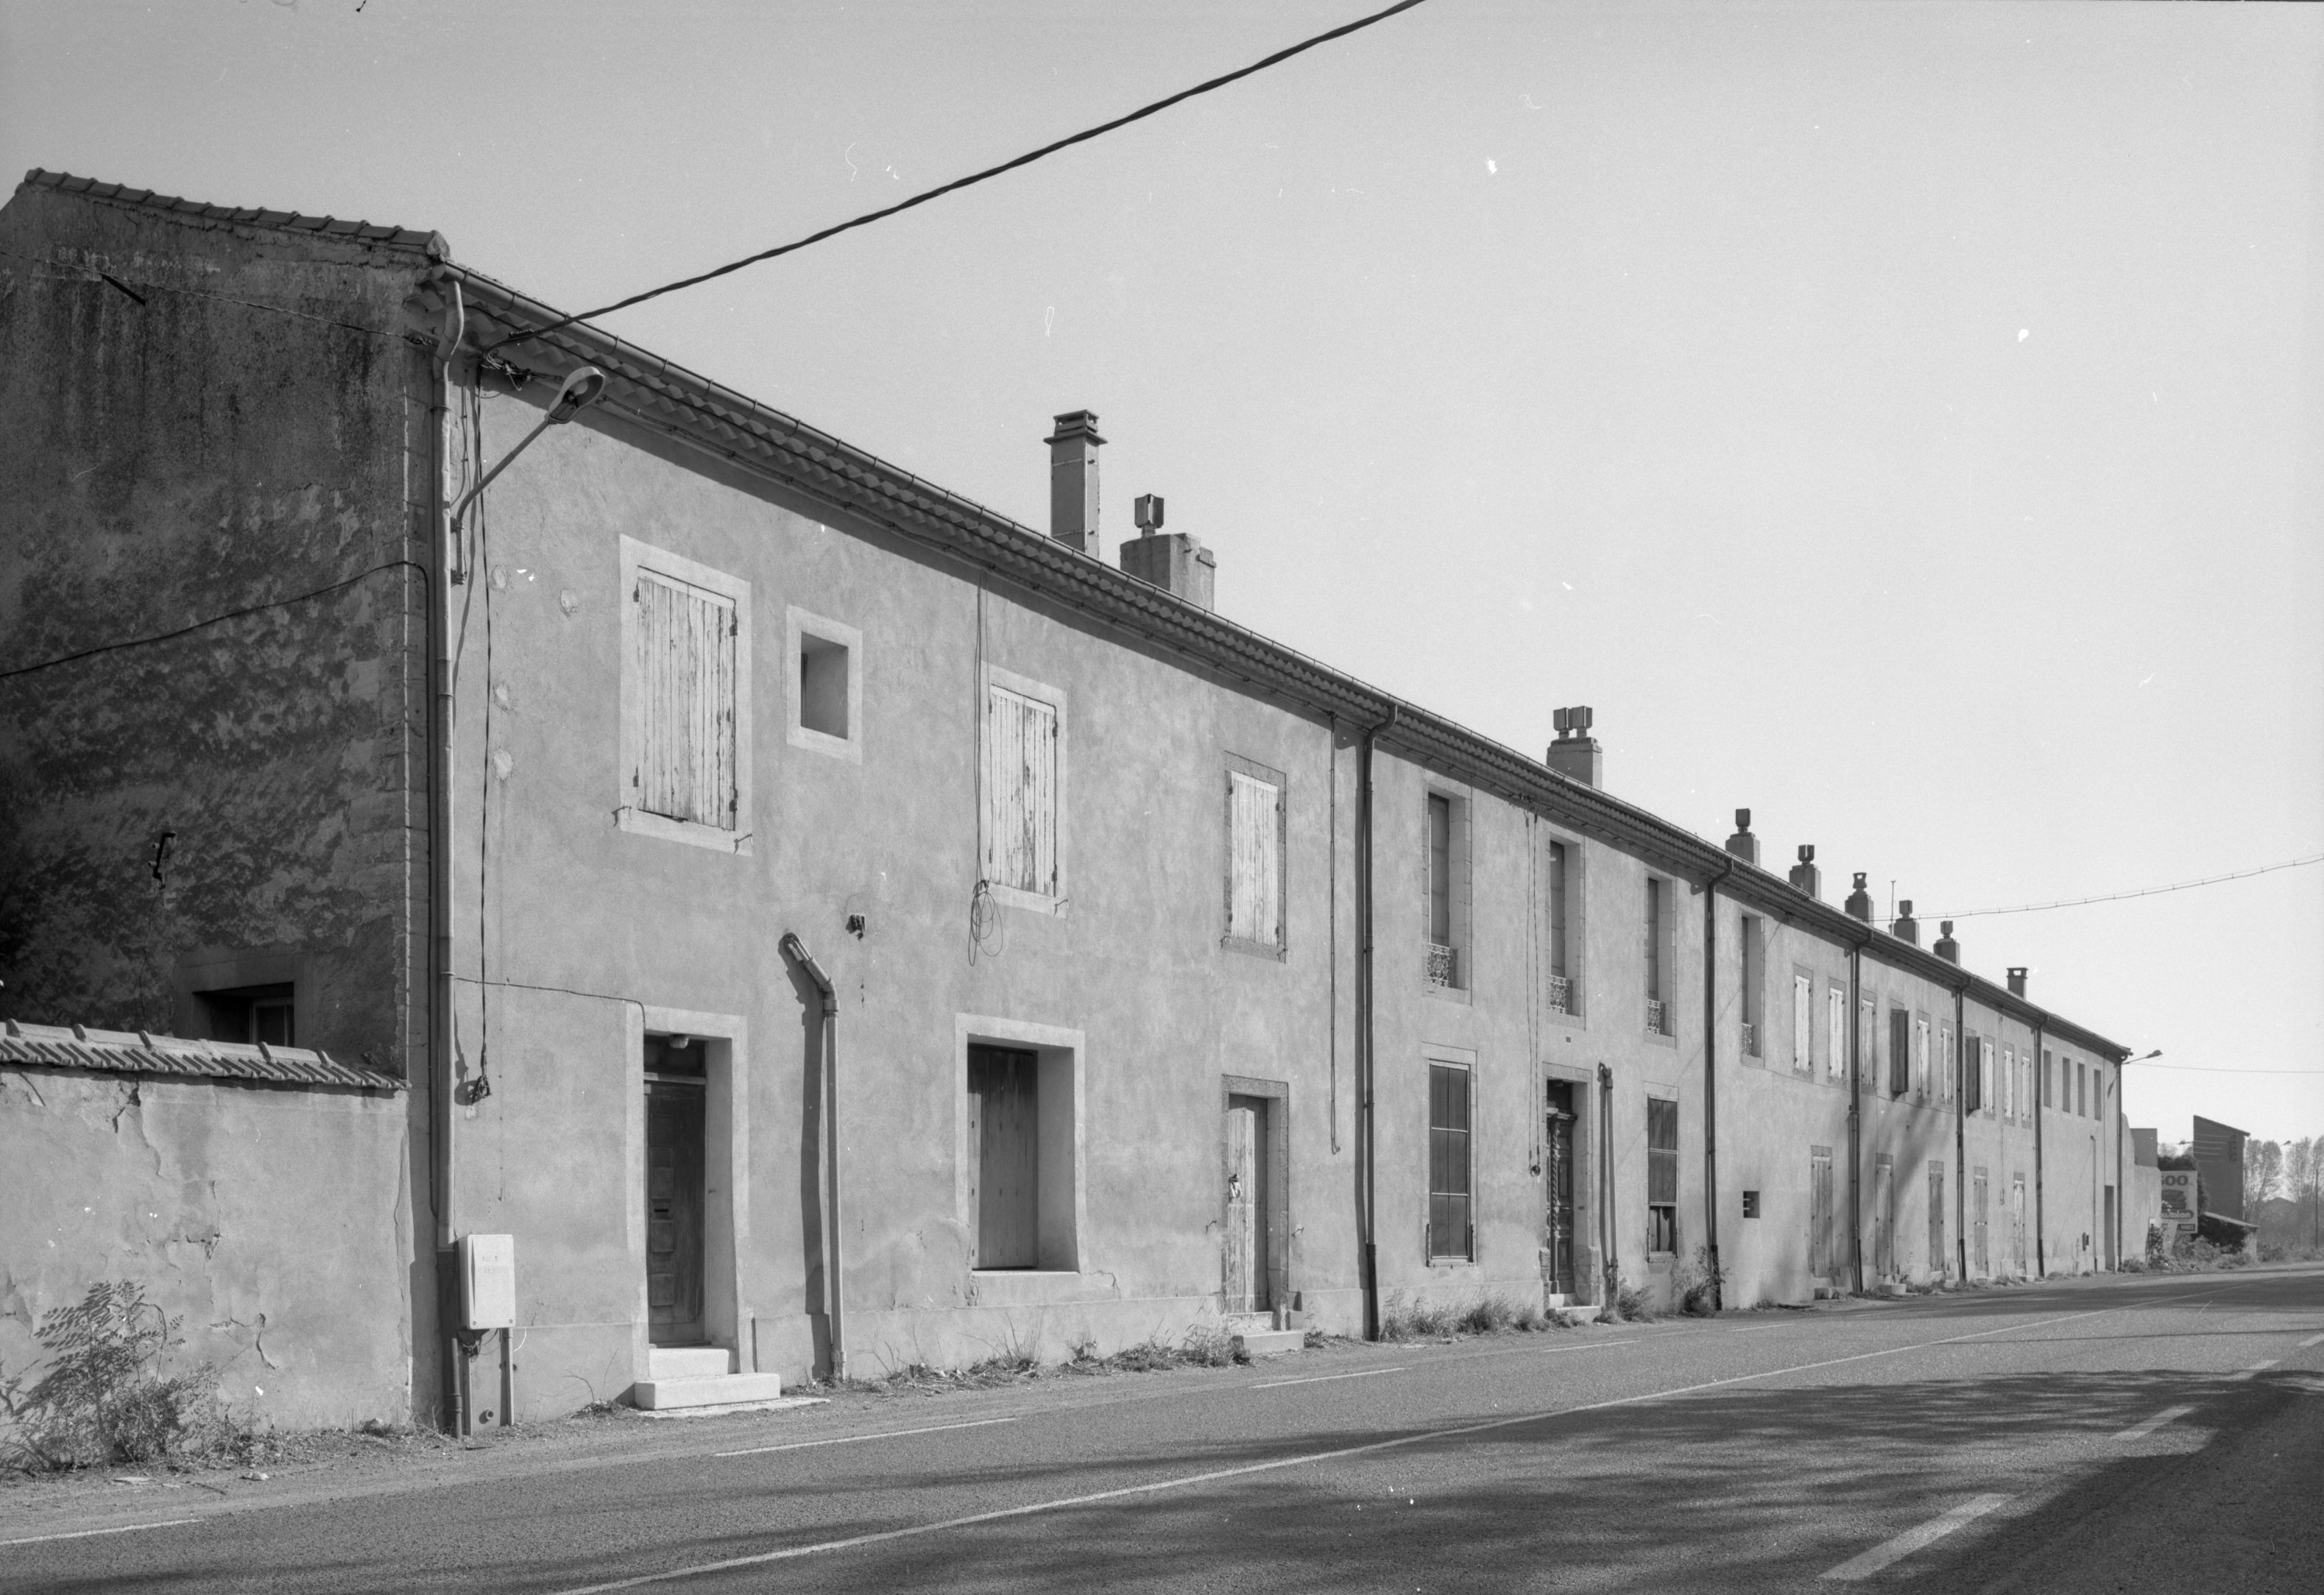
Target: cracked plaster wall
269,1219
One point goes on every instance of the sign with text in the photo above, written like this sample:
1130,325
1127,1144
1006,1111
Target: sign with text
2178,1197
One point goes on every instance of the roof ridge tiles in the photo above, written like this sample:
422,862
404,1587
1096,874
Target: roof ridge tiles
430,243
139,1052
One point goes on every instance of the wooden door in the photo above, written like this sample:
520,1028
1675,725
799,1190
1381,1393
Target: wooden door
1884,1217
1940,1264
1004,1137
674,1203
1820,1258
2017,1225
1248,1265
1982,1262
1557,1263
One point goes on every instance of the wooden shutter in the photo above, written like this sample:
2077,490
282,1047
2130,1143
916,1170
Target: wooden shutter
1972,1073
1021,759
1835,1009
685,702
1254,895
1802,1024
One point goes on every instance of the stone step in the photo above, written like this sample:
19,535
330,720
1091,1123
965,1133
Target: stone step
1270,1343
1248,1323
713,1390
688,1362
1570,1317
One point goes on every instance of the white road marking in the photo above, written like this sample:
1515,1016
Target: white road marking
2255,1367
1322,1378
2310,1340
92,1533
1913,1539
1304,1459
853,1439
2141,1431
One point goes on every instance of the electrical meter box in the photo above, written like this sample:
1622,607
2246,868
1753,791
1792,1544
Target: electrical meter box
488,1281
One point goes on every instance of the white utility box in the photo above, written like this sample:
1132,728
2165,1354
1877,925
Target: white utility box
488,1281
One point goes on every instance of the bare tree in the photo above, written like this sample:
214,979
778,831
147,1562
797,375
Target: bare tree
2263,1175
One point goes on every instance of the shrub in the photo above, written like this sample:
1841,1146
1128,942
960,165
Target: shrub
1697,1284
105,1397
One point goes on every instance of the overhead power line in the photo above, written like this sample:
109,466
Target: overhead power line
2224,1069
1027,159
2115,896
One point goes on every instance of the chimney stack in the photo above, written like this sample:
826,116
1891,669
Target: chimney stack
1907,928
1575,754
1947,948
1073,480
1859,902
2017,980
1743,844
1805,876
1170,560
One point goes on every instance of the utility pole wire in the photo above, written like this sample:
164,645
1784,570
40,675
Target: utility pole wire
958,183
2115,896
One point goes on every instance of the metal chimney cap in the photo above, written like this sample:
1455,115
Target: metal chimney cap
1147,512
1742,819
1807,852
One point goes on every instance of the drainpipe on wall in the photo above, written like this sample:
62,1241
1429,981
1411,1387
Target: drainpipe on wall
834,1297
1854,1114
453,1412
1369,1262
1610,1285
1711,1079
2040,1089
1960,1129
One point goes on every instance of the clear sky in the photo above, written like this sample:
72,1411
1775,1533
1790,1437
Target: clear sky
1906,420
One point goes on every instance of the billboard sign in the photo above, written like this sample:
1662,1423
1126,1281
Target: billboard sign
2178,1197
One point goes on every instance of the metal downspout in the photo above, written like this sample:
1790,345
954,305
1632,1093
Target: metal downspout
1960,1129
834,1296
1365,1039
1711,1079
2040,1089
1854,1114
440,1082
1611,1284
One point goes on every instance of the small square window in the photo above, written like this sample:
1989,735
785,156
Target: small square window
825,691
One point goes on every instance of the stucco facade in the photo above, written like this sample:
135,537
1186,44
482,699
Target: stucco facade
590,932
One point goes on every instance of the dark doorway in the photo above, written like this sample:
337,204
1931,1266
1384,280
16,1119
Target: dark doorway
1557,1140
1004,1144
676,1080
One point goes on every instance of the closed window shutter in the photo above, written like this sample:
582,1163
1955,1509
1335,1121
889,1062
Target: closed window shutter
1835,1005
1899,1051
685,702
1021,831
1803,1023
1254,898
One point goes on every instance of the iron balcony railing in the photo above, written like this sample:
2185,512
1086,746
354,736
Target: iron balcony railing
1561,995
1750,1039
1655,1015
1444,966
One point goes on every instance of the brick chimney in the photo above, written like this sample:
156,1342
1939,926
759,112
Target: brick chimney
1169,559
1575,753
1743,844
1907,928
1805,876
1947,948
1859,902
1073,480
2017,980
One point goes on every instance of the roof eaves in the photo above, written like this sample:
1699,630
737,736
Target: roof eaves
139,1052
430,244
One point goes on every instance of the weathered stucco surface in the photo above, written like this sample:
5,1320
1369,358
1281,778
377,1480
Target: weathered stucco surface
271,1221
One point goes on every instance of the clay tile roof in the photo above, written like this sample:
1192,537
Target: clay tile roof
135,1052
432,244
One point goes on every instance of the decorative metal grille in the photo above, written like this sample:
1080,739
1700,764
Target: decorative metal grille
1444,967
1656,1016
1561,993
1750,1038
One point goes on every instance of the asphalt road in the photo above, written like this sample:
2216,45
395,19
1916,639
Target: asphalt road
2129,1433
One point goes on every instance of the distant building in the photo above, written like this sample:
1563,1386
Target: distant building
817,917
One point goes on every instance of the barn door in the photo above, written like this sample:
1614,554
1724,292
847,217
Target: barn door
1003,1134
